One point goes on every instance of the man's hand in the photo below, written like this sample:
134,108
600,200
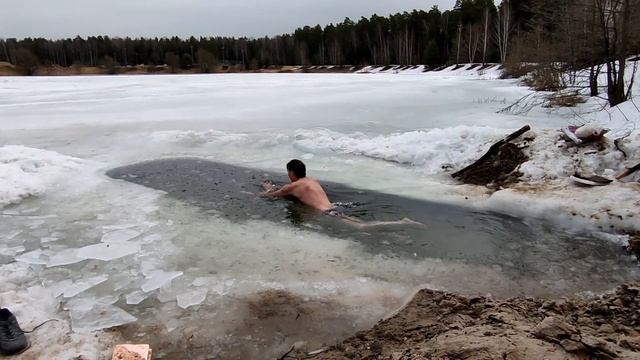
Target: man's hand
273,191
268,186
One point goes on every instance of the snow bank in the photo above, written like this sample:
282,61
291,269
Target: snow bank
546,190
431,150
28,172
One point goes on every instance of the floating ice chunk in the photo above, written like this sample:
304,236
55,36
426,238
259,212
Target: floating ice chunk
111,228
35,257
12,251
108,251
621,240
44,217
121,280
136,297
48,239
57,289
150,224
87,316
64,257
119,235
168,293
202,281
151,238
13,234
172,324
83,285
222,287
158,279
36,224
191,298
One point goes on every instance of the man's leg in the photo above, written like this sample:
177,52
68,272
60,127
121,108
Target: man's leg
361,224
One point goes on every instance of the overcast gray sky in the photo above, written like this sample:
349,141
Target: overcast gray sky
255,18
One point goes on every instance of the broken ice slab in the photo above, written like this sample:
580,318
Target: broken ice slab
169,292
151,238
13,234
111,228
12,251
136,297
120,235
97,317
202,281
191,298
122,279
35,257
158,279
64,257
36,224
108,251
48,239
83,285
57,289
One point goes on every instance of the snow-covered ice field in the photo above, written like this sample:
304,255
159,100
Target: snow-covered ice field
96,252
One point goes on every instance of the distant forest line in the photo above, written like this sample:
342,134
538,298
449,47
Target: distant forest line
576,33
473,31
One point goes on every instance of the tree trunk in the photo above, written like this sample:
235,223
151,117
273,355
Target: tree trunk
593,80
486,30
459,36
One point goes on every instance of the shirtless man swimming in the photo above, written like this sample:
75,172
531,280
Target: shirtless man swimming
310,192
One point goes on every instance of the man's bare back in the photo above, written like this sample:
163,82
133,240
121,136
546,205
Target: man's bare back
310,192
307,190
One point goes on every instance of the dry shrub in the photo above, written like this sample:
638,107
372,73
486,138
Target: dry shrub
515,70
545,78
565,100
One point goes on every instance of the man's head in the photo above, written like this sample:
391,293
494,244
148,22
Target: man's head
296,170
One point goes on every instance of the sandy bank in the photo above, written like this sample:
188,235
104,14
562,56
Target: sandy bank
441,325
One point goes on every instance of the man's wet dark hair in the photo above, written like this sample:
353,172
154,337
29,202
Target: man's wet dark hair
298,168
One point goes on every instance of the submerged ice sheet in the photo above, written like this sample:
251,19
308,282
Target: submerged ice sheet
158,279
107,252
119,235
89,315
82,285
192,297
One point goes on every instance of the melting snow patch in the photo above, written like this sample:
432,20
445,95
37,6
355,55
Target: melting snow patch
27,171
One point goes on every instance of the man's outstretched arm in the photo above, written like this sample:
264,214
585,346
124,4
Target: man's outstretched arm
282,192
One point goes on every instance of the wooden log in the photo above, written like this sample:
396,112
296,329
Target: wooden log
493,151
628,171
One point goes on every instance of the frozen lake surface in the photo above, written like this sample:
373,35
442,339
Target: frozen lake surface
105,252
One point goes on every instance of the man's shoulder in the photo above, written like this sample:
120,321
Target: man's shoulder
310,180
